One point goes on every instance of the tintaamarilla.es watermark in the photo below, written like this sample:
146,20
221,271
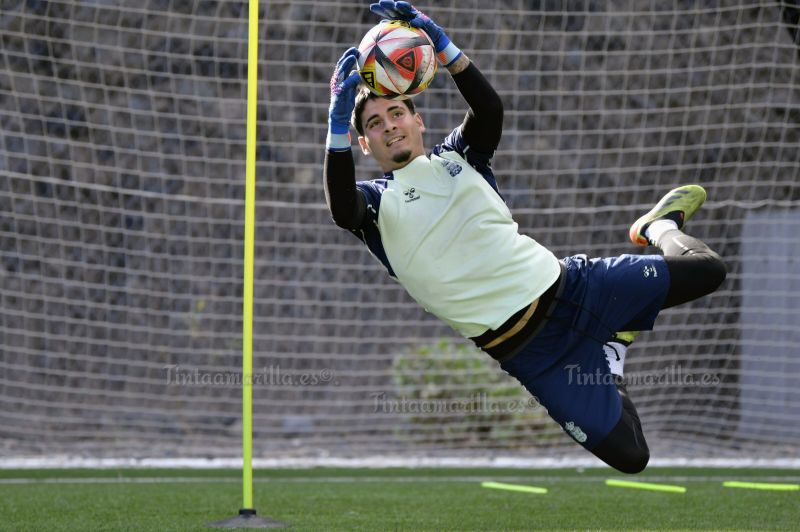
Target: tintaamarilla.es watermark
273,376
675,375
479,403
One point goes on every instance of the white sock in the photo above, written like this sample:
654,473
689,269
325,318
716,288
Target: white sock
659,227
615,354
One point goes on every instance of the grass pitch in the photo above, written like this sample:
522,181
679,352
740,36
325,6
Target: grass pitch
394,499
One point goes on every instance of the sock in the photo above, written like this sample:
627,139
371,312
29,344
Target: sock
657,228
615,354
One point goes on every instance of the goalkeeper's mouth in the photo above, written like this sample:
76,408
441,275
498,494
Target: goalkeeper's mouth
394,140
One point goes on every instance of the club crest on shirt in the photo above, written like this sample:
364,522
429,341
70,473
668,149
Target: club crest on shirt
453,168
575,431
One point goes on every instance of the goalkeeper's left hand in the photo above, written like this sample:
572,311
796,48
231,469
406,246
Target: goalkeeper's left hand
446,51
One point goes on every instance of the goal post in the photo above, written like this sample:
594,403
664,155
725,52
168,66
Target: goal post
122,149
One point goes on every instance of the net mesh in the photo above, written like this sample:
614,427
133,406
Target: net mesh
121,226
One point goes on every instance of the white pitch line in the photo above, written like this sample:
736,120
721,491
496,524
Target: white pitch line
370,479
382,461
117,480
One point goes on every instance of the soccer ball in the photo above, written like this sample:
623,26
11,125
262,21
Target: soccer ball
396,60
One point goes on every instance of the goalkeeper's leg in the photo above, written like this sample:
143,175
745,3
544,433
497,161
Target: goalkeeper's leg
625,448
695,270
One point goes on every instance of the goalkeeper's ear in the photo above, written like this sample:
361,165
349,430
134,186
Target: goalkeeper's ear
420,122
362,141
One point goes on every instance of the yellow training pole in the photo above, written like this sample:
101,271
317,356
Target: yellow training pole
247,514
249,245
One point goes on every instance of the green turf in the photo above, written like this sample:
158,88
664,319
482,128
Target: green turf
393,499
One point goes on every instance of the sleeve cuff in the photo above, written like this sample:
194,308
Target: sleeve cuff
338,141
449,55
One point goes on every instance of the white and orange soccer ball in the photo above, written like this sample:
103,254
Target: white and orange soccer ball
396,60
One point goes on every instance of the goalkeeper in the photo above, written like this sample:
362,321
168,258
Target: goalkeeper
441,228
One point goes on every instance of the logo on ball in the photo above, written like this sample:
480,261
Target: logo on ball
408,61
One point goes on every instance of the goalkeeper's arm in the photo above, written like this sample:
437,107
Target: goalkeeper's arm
483,124
346,204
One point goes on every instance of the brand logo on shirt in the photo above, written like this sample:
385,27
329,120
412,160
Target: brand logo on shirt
575,431
650,270
411,195
453,168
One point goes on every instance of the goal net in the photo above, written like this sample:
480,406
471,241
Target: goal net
122,145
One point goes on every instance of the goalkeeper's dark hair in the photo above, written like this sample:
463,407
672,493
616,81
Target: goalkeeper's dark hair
362,97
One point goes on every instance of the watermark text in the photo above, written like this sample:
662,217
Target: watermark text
275,376
668,376
479,403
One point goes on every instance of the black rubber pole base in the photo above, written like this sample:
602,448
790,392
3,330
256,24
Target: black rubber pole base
247,518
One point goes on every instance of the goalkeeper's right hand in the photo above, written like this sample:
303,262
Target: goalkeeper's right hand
446,51
344,86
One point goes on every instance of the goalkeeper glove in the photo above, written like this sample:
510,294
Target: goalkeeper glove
344,86
446,51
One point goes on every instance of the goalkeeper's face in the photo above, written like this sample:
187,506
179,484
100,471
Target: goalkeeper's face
392,133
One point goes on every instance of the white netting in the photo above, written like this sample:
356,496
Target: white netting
121,199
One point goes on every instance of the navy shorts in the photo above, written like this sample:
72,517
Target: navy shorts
564,366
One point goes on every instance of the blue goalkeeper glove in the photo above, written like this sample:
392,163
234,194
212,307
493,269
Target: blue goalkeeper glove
344,86
446,51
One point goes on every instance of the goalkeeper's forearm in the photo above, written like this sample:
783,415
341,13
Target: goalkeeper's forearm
483,124
459,65
345,202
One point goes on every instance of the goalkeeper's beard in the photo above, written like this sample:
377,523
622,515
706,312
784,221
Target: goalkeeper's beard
402,157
